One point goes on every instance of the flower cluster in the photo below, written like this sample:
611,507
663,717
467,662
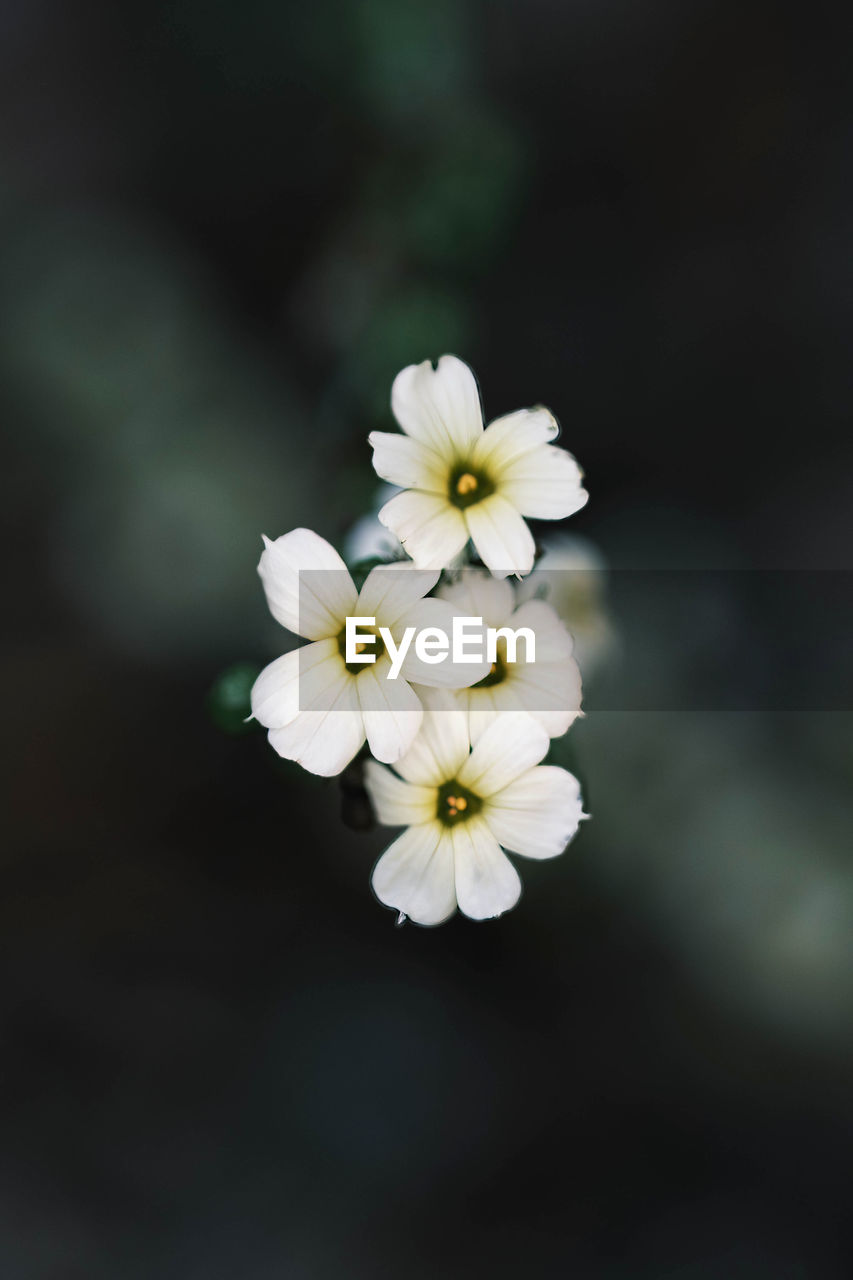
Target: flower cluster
466,737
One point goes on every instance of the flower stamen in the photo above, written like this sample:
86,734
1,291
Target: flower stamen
498,671
468,485
372,645
456,803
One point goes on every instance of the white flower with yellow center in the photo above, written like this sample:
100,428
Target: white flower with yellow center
462,809
319,708
462,481
548,688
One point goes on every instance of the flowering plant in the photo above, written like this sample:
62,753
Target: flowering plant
465,732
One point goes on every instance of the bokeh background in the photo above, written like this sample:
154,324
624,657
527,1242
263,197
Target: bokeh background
224,228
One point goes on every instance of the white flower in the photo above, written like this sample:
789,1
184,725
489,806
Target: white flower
548,688
570,575
318,709
459,808
462,481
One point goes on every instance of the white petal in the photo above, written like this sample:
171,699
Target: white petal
537,814
487,883
440,748
307,585
551,694
479,720
478,594
447,673
555,719
392,711
390,589
550,687
324,741
406,462
486,705
439,407
509,746
430,528
546,484
415,874
503,540
510,437
553,641
481,710
481,706
277,694
570,575
397,803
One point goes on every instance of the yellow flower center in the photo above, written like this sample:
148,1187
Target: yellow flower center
456,803
467,484
498,671
374,645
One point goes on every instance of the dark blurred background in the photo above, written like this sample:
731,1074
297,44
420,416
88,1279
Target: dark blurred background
225,227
